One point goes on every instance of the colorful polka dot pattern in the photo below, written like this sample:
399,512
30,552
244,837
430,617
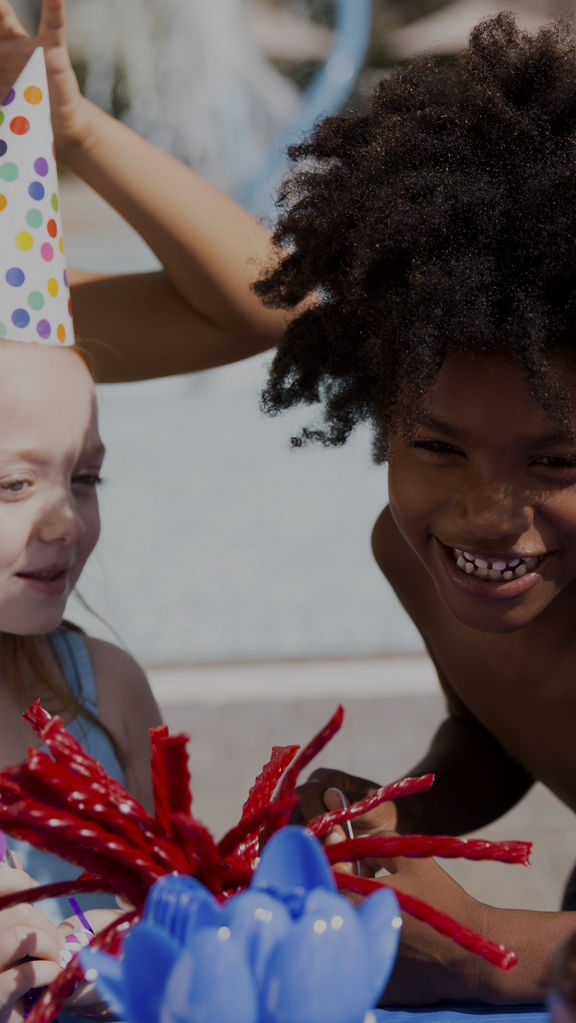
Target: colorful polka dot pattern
34,295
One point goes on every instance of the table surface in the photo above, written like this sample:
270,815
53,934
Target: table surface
466,1014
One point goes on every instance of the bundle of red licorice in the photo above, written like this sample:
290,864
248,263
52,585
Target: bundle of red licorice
61,800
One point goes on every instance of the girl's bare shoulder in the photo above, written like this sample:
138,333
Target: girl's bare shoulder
121,684
128,709
114,667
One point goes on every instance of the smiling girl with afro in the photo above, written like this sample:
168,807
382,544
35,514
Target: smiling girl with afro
432,238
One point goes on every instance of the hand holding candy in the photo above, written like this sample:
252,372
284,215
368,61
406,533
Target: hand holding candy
315,797
30,947
425,879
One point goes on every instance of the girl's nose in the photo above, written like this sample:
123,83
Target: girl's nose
493,511
60,522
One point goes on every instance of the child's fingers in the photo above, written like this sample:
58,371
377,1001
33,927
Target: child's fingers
30,947
52,28
27,931
97,918
17,981
334,837
12,880
10,25
86,1000
423,877
312,793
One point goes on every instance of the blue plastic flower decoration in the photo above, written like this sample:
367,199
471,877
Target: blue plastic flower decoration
288,949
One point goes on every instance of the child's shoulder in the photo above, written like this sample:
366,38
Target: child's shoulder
127,708
108,658
115,670
121,685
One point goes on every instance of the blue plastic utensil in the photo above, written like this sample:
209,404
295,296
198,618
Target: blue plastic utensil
320,972
149,955
380,917
292,863
180,905
289,949
107,973
211,983
258,923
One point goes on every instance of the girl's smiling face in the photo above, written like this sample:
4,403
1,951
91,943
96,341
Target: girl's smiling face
484,490
50,459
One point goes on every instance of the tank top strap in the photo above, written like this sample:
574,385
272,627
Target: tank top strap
72,653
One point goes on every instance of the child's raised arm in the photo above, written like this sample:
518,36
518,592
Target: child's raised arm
199,310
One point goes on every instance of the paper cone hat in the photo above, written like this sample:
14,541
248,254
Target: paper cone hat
34,294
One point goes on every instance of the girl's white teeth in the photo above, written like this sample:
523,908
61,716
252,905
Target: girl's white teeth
499,569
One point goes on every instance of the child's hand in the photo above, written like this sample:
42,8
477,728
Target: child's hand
311,795
86,1000
68,105
315,798
424,956
30,946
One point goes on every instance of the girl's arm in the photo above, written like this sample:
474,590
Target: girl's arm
431,968
199,311
476,782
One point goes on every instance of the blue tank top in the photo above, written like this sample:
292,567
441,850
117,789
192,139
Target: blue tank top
46,868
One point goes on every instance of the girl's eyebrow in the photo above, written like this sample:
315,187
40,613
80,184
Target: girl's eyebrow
549,440
431,423
96,451
552,440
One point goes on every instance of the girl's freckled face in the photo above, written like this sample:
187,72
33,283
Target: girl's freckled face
484,490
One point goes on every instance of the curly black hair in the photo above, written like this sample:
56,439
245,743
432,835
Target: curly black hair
439,218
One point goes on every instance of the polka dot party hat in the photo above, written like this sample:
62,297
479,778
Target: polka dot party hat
34,294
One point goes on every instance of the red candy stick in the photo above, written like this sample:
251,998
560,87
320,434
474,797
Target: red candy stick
374,847
405,787
441,922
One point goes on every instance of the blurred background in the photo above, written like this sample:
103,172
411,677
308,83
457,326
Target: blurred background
238,570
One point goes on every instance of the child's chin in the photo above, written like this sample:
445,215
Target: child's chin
40,626
496,617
